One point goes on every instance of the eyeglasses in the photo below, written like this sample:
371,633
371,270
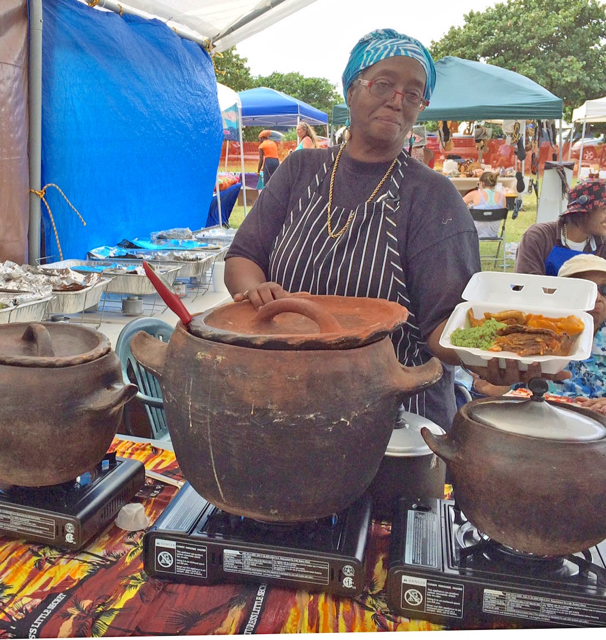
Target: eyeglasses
602,289
383,90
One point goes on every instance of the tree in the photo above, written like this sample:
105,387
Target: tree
232,70
556,43
317,92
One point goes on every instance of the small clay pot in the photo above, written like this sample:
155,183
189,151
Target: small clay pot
62,395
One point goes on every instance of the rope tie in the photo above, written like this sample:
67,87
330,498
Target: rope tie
42,193
92,3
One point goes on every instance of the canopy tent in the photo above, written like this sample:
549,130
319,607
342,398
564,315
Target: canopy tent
340,113
263,107
218,25
468,90
591,112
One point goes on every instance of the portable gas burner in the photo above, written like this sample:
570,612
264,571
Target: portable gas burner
69,514
194,541
445,571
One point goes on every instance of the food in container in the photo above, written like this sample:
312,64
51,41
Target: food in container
546,296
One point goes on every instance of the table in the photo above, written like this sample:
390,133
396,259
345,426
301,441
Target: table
103,590
465,185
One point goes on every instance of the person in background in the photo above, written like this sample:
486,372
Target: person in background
486,197
307,137
546,246
587,386
268,156
363,219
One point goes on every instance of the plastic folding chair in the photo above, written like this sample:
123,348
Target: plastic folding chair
491,215
149,393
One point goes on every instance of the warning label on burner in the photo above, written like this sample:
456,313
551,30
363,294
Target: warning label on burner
544,609
181,558
26,523
421,539
273,566
432,596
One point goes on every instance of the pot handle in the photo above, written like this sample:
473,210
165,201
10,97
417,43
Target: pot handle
150,352
303,306
411,380
441,445
39,337
112,399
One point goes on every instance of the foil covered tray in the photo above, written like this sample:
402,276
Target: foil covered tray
33,311
71,302
132,283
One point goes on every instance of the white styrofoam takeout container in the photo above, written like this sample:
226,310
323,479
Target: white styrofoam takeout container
547,295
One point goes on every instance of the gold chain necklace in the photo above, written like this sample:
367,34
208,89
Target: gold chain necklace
565,234
338,234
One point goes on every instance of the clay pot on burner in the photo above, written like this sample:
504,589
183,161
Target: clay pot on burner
285,414
62,395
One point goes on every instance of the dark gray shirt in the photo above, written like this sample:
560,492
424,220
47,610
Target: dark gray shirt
436,236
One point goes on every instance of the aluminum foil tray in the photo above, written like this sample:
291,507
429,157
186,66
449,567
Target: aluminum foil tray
70,302
132,284
34,311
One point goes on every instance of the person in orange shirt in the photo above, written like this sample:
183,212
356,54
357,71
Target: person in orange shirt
268,156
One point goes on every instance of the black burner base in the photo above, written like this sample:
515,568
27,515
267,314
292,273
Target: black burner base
442,570
195,542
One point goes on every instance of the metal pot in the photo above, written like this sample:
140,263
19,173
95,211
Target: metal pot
529,473
285,414
62,397
409,468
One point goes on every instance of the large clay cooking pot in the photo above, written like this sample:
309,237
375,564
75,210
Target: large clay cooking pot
529,473
285,414
61,399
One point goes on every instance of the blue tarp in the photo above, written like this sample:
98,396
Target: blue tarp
263,107
131,128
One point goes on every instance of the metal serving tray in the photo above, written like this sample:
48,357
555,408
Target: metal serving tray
70,302
27,312
132,284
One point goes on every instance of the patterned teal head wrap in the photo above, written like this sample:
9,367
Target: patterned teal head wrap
386,43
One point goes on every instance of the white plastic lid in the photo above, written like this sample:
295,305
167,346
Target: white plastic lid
523,290
132,517
406,439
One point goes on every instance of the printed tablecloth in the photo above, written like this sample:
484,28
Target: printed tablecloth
104,591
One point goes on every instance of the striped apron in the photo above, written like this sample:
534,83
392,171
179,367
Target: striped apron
363,262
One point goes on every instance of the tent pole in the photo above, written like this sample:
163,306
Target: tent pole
226,154
560,150
581,149
35,128
246,19
243,180
219,201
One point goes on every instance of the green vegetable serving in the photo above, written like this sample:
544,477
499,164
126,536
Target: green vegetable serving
481,337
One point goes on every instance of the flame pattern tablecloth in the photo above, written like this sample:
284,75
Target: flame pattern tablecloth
104,591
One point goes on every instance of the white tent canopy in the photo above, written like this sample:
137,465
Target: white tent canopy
591,111
222,24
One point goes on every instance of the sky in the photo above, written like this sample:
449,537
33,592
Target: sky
316,40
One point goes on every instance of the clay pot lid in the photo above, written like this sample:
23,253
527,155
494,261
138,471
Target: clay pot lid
538,418
301,322
50,344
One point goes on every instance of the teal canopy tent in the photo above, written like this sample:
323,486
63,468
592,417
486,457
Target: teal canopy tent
468,90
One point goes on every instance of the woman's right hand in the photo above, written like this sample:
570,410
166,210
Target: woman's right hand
262,294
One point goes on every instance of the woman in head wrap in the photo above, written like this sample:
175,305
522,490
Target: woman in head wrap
364,219
546,246
268,156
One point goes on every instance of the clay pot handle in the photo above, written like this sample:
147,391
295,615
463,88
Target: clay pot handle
303,306
442,445
40,340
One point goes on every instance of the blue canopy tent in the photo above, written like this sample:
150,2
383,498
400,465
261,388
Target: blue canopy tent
263,107
468,90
